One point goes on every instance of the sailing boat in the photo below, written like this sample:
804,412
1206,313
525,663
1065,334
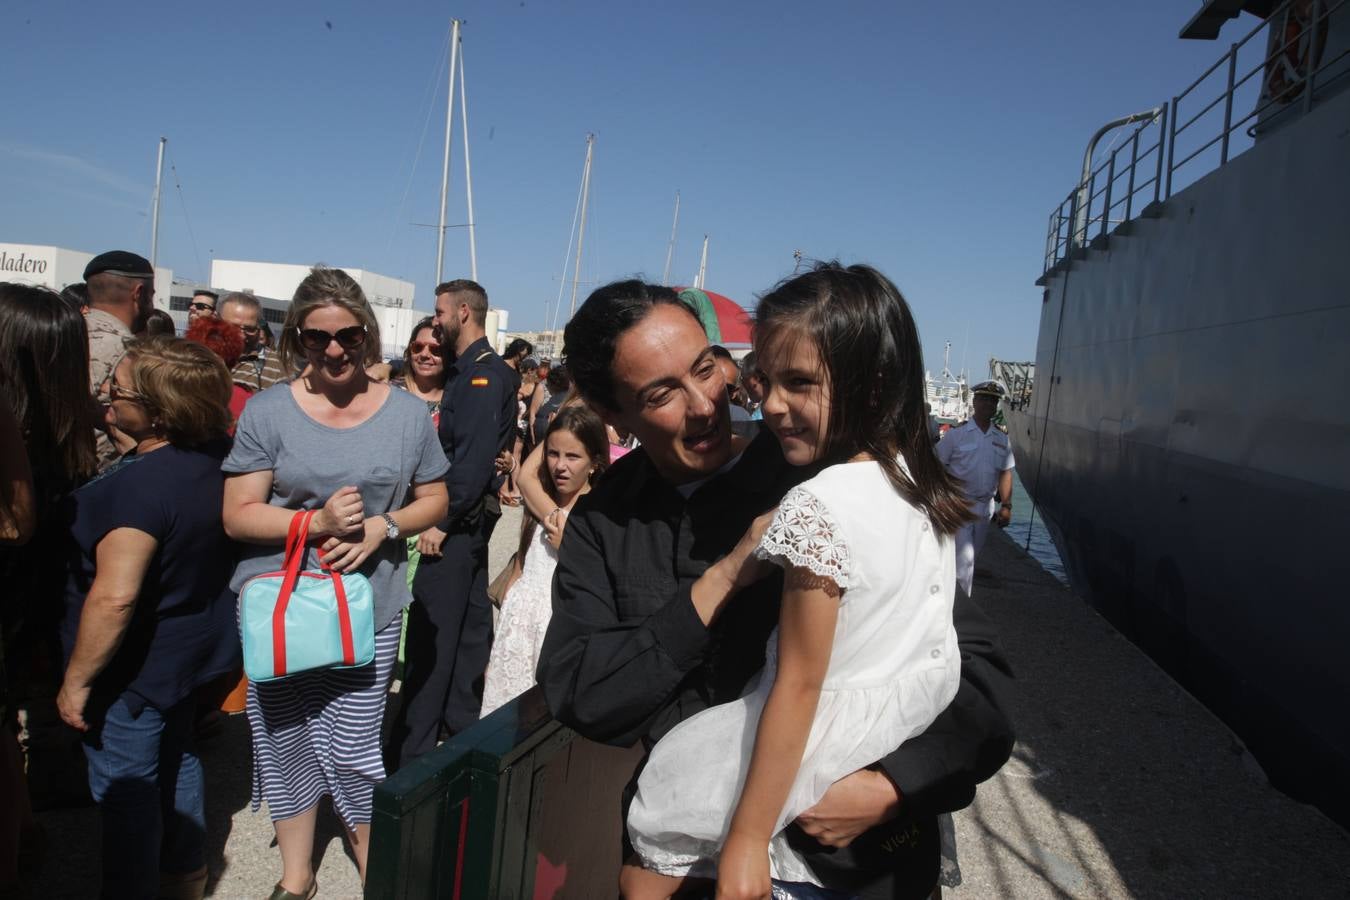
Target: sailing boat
548,344
456,68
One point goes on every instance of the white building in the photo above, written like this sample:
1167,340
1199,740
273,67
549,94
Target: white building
57,267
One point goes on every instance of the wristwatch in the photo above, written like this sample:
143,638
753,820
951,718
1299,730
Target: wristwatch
390,526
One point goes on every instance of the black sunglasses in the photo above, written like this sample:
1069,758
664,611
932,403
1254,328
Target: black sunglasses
317,340
203,307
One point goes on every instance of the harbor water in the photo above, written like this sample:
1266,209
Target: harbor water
1028,531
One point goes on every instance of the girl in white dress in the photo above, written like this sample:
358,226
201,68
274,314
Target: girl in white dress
575,451
865,655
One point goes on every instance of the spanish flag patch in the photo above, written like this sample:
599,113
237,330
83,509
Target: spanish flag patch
480,381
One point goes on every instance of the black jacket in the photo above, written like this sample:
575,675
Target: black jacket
626,656
478,421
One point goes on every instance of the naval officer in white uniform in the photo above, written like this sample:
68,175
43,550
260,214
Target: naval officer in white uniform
980,454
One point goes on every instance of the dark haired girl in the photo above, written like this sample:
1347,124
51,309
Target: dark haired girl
865,654
576,451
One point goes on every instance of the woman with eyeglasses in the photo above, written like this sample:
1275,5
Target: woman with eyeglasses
149,615
366,458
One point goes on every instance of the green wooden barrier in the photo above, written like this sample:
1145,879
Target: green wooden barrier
517,806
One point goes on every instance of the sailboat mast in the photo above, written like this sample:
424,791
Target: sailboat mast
154,216
581,232
445,162
670,248
468,175
702,264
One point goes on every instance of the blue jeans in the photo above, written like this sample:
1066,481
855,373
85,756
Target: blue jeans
148,786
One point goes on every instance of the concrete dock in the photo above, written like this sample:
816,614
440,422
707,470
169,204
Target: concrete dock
1121,784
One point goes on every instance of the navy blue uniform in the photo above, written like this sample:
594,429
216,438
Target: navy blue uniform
450,622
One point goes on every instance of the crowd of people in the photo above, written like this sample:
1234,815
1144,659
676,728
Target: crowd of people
750,568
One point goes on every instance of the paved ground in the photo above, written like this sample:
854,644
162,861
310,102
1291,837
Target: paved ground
1121,785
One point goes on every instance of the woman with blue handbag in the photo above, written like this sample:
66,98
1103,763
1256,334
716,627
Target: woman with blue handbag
363,463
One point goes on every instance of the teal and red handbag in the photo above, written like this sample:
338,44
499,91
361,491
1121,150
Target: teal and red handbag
297,621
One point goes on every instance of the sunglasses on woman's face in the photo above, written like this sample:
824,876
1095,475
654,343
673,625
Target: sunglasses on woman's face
418,346
317,340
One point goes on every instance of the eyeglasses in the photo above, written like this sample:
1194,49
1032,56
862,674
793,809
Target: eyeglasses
203,307
117,392
418,346
250,329
317,340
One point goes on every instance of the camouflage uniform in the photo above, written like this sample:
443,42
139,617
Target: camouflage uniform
107,343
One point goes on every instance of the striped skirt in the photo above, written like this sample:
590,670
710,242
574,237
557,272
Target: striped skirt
318,733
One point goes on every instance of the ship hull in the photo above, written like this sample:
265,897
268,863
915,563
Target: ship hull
1187,443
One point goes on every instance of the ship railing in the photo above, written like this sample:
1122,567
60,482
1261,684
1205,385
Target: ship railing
1196,131
1112,192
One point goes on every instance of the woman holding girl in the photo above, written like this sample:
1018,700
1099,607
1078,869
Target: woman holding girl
575,451
366,458
865,654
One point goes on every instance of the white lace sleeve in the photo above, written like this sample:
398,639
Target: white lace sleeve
803,533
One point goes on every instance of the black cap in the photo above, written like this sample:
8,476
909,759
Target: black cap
119,262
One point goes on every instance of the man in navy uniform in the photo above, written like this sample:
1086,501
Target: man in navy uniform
979,453
450,622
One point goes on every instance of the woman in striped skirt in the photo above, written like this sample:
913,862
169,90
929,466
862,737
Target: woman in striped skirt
367,459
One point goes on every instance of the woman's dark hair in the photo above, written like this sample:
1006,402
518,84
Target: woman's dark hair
77,295
558,380
428,322
44,373
594,332
518,348
159,322
869,345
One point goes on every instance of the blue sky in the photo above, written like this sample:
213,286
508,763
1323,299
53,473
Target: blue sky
930,140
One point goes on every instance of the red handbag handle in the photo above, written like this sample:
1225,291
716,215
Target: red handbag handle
296,537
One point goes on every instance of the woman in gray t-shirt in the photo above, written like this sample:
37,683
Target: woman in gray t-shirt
366,458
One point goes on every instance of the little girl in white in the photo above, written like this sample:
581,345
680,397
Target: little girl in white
574,452
865,655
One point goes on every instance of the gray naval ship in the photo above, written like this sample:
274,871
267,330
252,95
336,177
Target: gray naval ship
1187,440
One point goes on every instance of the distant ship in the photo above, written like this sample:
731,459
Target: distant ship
1187,439
947,395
